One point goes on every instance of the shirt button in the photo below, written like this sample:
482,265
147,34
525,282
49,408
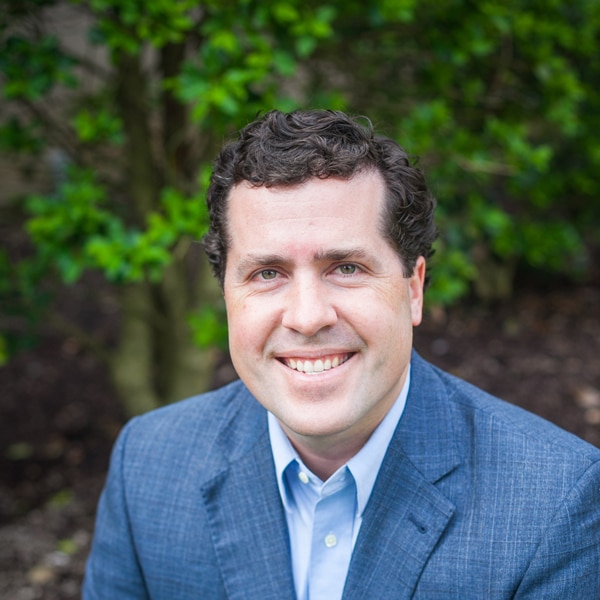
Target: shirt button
330,540
303,477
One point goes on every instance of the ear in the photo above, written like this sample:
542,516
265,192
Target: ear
416,284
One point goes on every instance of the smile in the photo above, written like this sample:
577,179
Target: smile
318,365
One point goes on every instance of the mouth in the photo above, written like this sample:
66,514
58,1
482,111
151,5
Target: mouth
318,365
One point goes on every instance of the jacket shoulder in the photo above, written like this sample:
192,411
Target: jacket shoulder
496,423
203,432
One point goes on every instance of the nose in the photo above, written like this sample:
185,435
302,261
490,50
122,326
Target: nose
308,307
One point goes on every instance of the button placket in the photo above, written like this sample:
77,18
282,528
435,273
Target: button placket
331,546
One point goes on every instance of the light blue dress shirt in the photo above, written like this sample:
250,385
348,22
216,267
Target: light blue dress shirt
324,518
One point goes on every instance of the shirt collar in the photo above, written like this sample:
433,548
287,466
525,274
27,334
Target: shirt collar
364,466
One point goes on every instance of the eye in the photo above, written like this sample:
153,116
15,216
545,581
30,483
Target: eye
348,269
267,274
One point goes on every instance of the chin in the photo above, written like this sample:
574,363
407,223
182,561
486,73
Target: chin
315,428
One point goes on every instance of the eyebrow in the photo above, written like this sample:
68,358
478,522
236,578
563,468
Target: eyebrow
335,255
253,261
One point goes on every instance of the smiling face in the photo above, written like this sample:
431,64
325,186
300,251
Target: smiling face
320,313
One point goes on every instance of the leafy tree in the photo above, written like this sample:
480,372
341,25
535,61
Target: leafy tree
501,102
134,134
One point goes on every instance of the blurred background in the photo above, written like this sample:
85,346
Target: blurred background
111,112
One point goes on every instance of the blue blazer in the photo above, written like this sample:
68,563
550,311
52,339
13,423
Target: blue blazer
475,499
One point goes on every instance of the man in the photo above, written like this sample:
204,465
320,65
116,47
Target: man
341,464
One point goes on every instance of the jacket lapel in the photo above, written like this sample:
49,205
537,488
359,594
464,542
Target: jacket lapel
248,527
406,514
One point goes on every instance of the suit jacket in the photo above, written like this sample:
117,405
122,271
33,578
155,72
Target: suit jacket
475,498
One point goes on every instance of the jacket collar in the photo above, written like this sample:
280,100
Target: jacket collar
427,432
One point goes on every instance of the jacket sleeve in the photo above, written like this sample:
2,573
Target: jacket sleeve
113,570
567,562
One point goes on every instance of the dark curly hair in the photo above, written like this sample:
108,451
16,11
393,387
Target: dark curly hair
287,149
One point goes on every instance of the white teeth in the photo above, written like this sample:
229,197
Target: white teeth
317,366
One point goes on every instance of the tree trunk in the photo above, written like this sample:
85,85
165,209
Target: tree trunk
185,369
143,181
156,361
132,367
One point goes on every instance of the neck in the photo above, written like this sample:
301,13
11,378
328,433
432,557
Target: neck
323,458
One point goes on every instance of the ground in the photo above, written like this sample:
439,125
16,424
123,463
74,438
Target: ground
59,417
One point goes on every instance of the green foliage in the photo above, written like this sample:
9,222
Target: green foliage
19,451
209,326
451,276
126,25
248,47
61,498
22,300
31,69
3,350
67,546
20,138
98,126
501,104
232,60
75,230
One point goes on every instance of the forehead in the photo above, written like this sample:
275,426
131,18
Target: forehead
307,220
363,195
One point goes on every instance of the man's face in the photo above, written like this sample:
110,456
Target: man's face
320,313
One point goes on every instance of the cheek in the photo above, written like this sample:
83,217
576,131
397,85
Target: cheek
393,301
236,311
250,324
